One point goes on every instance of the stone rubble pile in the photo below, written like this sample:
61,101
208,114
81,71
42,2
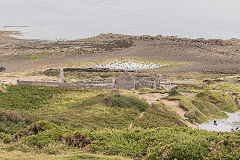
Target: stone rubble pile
130,66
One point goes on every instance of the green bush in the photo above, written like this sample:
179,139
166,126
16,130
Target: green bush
7,139
2,135
173,92
37,140
44,138
41,126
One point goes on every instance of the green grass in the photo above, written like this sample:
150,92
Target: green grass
159,115
224,101
93,109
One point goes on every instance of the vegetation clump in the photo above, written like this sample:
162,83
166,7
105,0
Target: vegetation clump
13,116
7,139
76,140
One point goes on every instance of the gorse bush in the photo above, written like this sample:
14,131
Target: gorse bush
44,133
41,126
40,134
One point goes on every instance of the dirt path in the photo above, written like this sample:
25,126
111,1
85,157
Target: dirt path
154,97
180,111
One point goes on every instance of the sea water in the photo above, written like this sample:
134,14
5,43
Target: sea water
72,19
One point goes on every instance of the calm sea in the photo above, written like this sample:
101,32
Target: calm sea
71,19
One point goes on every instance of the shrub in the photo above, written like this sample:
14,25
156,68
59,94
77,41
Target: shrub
37,140
222,100
76,140
7,139
2,88
35,128
2,135
173,92
13,116
44,138
41,126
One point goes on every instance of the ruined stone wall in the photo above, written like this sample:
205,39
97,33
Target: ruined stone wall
167,85
145,84
69,85
125,81
99,83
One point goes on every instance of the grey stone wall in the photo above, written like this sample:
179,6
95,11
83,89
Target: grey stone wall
145,84
125,81
69,85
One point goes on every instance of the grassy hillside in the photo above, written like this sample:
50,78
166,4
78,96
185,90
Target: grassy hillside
47,122
205,102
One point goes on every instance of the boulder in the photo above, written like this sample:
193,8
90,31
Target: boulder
2,69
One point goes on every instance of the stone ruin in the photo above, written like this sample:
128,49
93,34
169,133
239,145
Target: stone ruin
124,81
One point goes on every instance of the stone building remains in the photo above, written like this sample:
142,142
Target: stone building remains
124,81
